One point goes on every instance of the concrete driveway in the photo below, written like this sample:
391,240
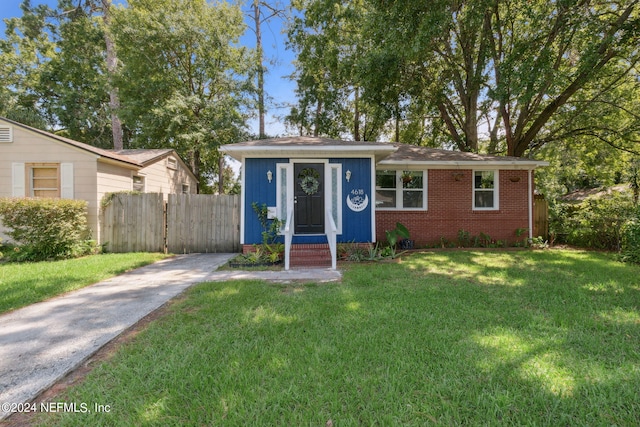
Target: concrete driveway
41,343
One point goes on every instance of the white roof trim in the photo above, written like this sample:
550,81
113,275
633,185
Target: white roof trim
358,148
238,152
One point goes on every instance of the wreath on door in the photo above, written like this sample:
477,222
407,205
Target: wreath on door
309,181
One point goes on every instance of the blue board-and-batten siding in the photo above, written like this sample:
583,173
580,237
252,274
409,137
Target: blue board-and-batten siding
258,189
356,226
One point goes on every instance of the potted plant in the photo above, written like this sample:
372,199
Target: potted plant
400,237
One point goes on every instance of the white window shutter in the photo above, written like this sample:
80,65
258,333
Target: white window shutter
66,180
18,180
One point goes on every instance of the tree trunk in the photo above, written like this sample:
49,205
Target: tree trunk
221,174
194,162
356,115
256,17
397,137
112,64
471,122
316,130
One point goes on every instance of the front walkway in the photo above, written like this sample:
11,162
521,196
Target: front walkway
41,343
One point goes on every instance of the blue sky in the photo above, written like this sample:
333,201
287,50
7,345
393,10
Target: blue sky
279,63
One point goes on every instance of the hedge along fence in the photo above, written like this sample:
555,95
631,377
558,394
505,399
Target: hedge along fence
630,248
610,222
46,228
597,222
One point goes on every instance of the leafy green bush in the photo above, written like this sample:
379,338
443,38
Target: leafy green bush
270,227
46,229
630,247
352,251
393,236
595,223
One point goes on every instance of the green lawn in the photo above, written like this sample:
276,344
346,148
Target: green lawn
22,284
476,338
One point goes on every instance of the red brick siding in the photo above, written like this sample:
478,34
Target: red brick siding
450,209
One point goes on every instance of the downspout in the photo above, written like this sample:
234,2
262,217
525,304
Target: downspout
372,190
530,204
242,199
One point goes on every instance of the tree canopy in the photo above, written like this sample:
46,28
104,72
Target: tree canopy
504,76
553,79
184,81
170,72
24,52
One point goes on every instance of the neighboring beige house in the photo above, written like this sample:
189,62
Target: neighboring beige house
34,163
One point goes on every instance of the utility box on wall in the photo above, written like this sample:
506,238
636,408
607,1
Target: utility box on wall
272,212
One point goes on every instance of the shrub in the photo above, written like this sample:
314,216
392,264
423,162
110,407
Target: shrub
594,223
464,239
270,227
630,247
351,251
393,236
46,228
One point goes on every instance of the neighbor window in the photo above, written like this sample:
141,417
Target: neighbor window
397,189
172,163
138,183
485,186
44,180
185,188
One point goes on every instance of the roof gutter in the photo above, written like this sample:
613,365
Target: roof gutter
466,164
128,165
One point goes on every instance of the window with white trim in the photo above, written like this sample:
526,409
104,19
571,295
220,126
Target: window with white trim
397,189
485,190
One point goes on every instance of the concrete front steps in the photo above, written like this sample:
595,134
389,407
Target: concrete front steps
310,255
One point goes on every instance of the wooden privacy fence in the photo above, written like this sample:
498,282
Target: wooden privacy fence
540,217
133,223
203,223
186,223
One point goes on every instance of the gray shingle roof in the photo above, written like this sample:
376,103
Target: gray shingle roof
306,146
298,141
144,155
417,154
386,153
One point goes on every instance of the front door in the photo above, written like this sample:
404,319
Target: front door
309,198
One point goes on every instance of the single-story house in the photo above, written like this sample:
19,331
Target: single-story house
35,163
328,191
